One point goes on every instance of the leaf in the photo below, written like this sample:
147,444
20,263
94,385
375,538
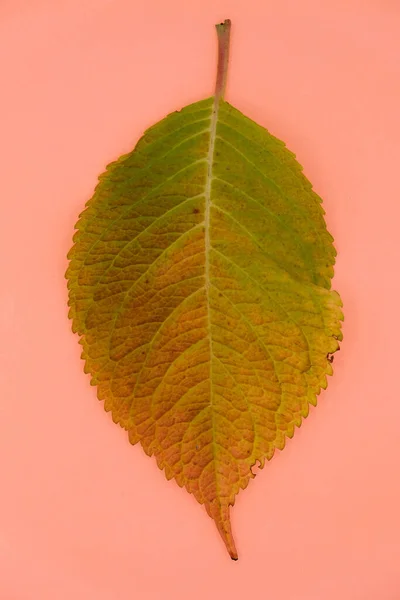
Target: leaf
199,283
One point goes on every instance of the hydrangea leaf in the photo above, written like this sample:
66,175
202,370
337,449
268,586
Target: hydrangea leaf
200,286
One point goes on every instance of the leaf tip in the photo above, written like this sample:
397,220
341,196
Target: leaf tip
220,515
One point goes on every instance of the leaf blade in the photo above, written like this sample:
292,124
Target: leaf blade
199,282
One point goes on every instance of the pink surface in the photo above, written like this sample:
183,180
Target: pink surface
83,514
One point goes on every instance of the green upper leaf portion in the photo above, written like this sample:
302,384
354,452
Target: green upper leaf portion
199,283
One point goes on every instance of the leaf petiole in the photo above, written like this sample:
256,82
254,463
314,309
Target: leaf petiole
224,33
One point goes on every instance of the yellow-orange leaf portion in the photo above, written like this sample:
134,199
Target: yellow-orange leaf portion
199,283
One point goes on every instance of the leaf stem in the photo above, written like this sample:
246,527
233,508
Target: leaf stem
224,33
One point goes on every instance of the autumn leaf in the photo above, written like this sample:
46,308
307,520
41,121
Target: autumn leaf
199,282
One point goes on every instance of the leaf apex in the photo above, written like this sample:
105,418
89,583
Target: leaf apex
221,516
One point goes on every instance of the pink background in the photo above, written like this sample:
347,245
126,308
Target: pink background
83,514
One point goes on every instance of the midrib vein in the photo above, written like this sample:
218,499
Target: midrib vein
208,202
207,243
